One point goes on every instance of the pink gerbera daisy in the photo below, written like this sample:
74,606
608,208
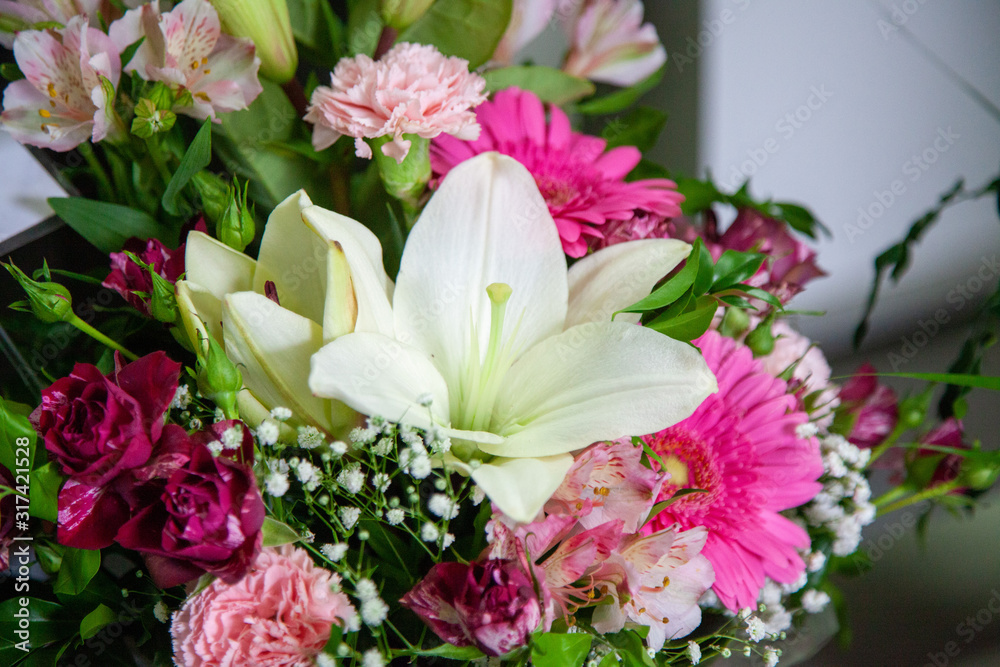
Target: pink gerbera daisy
740,446
582,183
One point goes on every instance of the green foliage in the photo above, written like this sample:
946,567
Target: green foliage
104,225
469,29
896,259
640,128
621,99
13,426
548,83
91,624
317,31
277,533
197,157
684,305
78,567
45,482
556,649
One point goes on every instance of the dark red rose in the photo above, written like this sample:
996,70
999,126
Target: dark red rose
98,428
491,605
872,406
132,281
207,518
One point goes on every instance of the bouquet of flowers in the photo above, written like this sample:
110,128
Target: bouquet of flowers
404,366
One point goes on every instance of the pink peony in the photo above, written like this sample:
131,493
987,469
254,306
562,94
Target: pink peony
610,43
740,446
872,406
185,47
279,615
413,89
61,103
582,184
491,605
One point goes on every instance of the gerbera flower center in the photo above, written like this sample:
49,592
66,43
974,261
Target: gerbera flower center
691,464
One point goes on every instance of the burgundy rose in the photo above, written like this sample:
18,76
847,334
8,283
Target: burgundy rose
872,406
98,428
7,509
490,605
207,518
133,281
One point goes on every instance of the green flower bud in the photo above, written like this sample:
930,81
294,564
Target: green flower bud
401,14
980,473
214,193
150,120
162,303
735,322
218,378
236,226
761,340
161,96
406,180
267,24
50,302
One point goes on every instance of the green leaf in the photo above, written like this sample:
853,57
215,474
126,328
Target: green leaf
104,225
706,269
733,267
555,649
16,435
197,157
48,621
364,27
621,99
11,72
449,652
958,379
800,219
671,290
610,660
44,500
548,83
469,29
78,567
92,623
277,533
689,325
698,194
640,128
317,30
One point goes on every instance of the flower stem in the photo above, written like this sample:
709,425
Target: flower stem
158,160
103,182
99,337
889,496
926,494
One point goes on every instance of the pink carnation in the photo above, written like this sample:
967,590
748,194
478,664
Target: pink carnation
741,447
583,185
413,89
278,615
810,370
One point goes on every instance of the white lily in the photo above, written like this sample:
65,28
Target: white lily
326,272
480,312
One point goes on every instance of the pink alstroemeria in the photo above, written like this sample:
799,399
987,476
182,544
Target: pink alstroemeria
61,101
527,21
656,581
611,44
18,15
185,48
607,482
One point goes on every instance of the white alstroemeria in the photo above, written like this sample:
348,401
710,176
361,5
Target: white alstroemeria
480,312
326,272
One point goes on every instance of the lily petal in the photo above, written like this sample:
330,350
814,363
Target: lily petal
201,312
377,375
215,267
617,276
272,347
487,223
597,381
520,487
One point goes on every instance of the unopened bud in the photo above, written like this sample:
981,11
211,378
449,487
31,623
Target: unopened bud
218,378
406,180
214,194
49,302
267,24
401,14
236,226
761,340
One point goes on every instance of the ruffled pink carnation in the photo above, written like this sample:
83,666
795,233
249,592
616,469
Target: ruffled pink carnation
412,89
583,185
741,447
810,371
279,615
